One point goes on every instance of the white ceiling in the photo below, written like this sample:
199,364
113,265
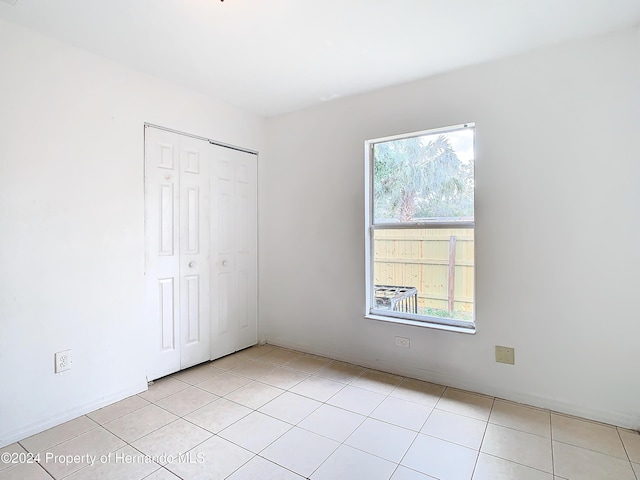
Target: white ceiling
276,56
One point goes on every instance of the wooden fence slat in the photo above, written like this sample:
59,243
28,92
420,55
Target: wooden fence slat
426,259
452,272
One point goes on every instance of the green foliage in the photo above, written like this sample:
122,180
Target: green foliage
438,312
420,178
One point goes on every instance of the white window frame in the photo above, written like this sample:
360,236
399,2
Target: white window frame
462,326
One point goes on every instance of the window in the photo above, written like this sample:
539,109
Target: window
420,228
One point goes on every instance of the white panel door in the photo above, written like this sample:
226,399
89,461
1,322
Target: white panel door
195,323
234,246
162,250
177,236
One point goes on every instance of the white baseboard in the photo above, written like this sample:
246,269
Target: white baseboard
612,418
7,438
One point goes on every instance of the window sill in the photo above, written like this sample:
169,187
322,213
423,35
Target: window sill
424,324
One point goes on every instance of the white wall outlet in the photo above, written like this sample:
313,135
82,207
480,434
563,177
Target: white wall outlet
62,361
403,342
505,355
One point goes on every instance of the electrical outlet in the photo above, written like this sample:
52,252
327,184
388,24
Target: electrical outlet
62,361
505,355
403,342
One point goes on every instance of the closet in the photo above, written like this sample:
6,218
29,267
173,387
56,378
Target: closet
200,250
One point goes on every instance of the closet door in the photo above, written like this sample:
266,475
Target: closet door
195,324
234,248
177,246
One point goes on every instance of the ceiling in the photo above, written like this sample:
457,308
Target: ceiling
274,56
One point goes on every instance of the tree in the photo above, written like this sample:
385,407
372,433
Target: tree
421,177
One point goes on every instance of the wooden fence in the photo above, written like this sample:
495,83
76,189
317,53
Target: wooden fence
438,262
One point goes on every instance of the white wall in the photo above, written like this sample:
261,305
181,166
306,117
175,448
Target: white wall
71,222
558,228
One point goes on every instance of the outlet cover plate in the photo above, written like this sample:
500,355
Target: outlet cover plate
403,342
505,355
62,361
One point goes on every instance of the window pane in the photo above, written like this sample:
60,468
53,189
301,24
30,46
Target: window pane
432,267
428,178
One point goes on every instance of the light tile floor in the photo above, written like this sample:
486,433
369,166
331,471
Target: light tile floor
273,413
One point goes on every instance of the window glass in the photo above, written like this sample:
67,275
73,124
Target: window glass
425,178
421,238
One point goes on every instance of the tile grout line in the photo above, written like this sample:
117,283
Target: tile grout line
418,434
213,434
256,410
307,416
553,458
343,442
627,452
98,453
368,416
493,403
521,464
19,442
593,451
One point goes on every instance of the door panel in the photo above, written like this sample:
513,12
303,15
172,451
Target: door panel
167,214
223,338
225,307
177,186
194,250
193,308
167,314
193,213
161,254
242,287
246,255
234,241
